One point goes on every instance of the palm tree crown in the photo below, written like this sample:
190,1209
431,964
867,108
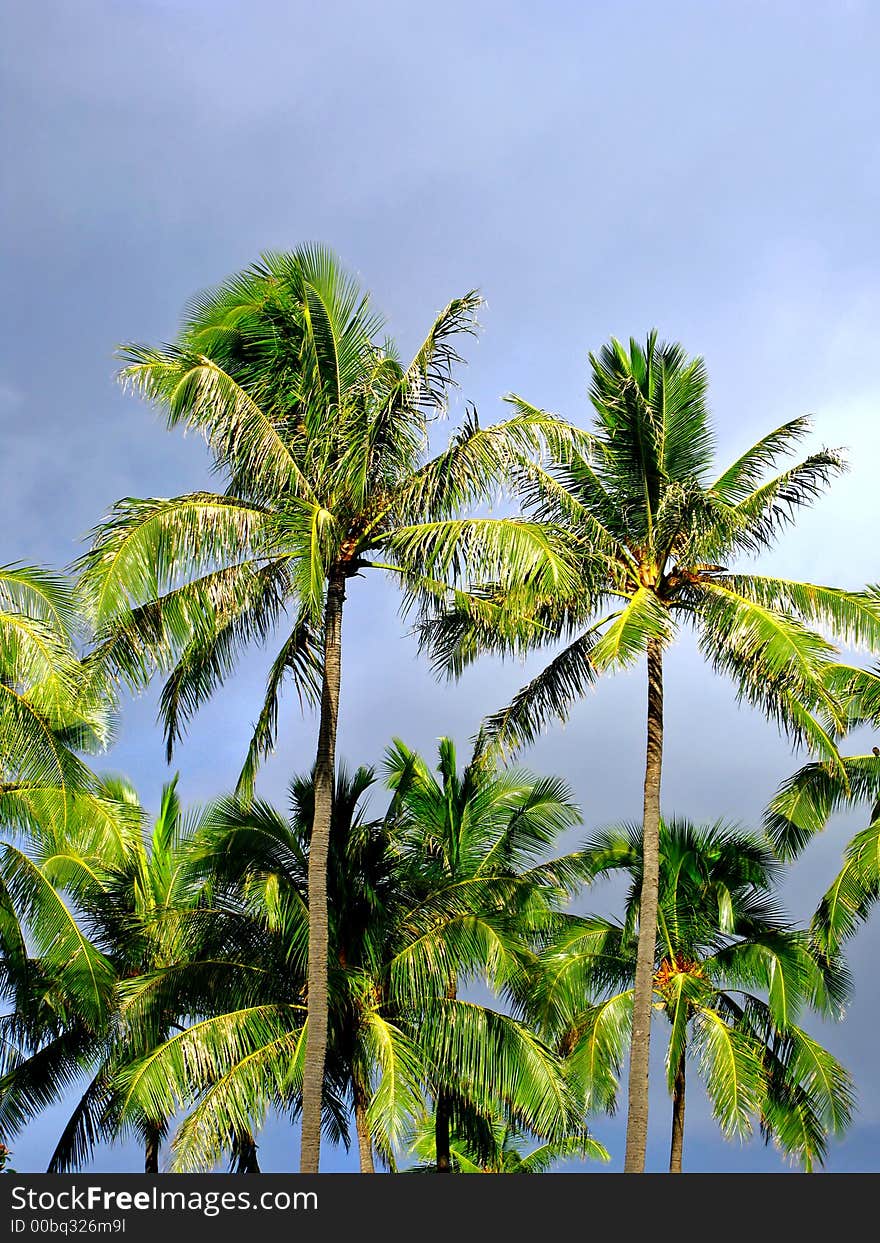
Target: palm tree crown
656,535
321,434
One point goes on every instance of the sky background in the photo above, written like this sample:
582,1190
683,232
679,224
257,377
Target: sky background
709,169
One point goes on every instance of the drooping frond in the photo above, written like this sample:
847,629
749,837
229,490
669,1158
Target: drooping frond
643,620
43,1079
234,1064
479,459
601,1037
426,381
41,594
853,892
851,617
264,1073
250,615
732,1069
86,973
198,393
775,662
298,658
84,1129
808,1095
857,690
549,695
486,550
146,546
804,802
450,937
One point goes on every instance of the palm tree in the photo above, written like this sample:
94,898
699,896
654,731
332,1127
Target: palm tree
482,833
242,1051
134,907
394,942
656,534
53,810
729,974
321,435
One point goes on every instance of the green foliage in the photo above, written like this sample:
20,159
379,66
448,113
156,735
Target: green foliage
321,435
803,805
654,538
61,829
163,970
731,976
498,1148
450,885
119,915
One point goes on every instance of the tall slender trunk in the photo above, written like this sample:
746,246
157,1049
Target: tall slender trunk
151,1150
675,1152
640,1046
442,1140
362,1126
319,848
443,1113
244,1155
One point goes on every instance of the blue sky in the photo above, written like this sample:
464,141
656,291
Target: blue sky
709,169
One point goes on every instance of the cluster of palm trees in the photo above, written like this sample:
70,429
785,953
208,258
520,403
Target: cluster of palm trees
419,978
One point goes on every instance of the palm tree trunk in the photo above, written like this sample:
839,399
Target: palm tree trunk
151,1150
362,1126
675,1152
244,1155
319,849
442,1112
639,1057
442,1140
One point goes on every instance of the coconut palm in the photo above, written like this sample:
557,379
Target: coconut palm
52,808
730,975
656,535
133,907
242,1051
321,436
482,833
394,1033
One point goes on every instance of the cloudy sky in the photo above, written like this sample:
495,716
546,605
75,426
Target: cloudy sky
706,168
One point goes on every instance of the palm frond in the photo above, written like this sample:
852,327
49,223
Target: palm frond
643,620
145,545
732,1069
855,889
852,617
775,662
299,657
804,802
741,479
601,1038
549,695
198,393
